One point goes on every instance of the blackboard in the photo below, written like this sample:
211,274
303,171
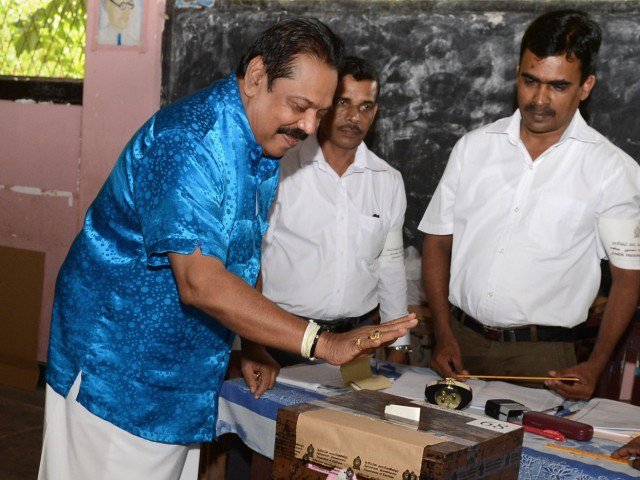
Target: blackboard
446,67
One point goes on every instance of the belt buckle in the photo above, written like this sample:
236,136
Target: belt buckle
494,334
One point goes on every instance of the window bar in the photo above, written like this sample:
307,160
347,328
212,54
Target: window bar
48,24
80,46
7,44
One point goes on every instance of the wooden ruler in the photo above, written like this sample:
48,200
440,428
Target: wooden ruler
584,453
531,379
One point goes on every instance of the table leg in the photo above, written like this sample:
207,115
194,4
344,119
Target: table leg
213,461
261,467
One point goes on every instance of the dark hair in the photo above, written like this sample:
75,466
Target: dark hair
359,69
280,44
571,32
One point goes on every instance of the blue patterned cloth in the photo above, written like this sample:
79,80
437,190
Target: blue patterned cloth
536,465
192,177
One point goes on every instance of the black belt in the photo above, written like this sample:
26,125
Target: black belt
341,325
531,333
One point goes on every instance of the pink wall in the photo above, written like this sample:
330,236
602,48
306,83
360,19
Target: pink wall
121,90
39,159
54,158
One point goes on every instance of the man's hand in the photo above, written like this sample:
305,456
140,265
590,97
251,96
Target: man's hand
446,359
398,356
587,375
340,348
258,368
436,264
631,449
621,305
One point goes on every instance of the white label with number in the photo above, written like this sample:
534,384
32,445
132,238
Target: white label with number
495,425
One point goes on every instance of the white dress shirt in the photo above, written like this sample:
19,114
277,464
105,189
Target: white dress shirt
334,245
528,235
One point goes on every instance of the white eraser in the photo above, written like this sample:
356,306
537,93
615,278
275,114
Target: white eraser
408,413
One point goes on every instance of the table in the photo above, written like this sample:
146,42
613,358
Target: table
254,421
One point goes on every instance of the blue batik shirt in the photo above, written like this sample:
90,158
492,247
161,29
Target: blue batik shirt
192,177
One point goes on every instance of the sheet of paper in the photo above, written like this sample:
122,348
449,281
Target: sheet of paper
605,414
411,384
537,399
312,377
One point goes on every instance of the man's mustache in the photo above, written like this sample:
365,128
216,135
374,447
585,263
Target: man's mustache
293,132
351,128
540,110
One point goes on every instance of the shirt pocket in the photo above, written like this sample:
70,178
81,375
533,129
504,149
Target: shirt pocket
555,222
242,244
369,238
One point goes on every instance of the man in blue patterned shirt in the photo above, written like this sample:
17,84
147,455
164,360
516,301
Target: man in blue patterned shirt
162,272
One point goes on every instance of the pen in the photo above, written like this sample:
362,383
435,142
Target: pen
336,388
562,411
553,409
388,370
386,366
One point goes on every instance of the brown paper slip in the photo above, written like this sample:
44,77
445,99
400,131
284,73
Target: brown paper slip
373,447
357,375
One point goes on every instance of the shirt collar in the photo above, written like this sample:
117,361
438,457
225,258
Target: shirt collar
231,94
310,152
577,129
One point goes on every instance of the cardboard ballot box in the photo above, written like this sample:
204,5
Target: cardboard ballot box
350,432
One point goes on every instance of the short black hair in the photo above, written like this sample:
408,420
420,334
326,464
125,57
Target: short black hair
572,32
359,69
281,43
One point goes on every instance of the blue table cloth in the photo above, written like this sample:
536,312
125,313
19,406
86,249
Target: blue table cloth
254,421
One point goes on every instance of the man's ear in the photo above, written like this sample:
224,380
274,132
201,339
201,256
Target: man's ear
254,76
375,111
586,87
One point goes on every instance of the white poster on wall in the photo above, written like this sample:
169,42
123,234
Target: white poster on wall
120,23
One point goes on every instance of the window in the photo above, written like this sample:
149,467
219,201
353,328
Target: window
42,49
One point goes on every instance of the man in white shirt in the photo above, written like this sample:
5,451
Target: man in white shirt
525,210
335,252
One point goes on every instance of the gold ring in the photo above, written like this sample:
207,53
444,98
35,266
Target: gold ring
258,375
375,335
359,343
